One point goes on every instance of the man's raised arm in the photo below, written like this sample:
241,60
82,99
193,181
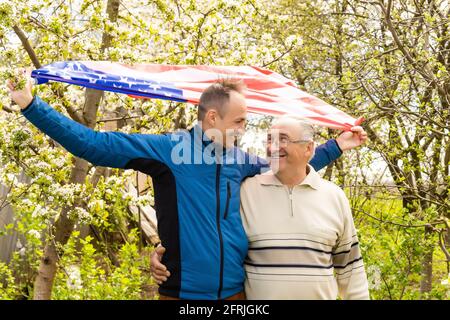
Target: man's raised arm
109,149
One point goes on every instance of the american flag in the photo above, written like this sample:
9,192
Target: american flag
267,92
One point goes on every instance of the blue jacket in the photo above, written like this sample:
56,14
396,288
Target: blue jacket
197,202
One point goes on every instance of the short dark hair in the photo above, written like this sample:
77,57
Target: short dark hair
217,96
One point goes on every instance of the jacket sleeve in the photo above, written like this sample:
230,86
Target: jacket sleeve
324,155
109,149
347,260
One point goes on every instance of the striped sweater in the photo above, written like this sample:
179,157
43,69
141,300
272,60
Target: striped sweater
302,241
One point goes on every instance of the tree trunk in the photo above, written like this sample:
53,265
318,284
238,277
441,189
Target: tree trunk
61,233
64,226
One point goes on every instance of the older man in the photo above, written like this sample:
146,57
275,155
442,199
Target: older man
302,239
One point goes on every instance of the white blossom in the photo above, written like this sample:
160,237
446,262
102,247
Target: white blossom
97,203
81,214
43,165
292,40
34,233
39,211
374,277
445,281
10,177
27,202
145,200
74,280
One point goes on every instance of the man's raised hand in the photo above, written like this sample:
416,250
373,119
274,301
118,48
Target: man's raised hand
21,96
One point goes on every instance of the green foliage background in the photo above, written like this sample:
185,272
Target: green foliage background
386,61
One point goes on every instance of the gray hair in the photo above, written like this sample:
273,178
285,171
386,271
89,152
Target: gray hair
306,127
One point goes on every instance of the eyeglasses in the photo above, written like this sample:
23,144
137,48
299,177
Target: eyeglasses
283,141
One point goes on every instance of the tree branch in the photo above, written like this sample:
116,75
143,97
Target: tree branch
28,48
7,109
424,71
442,245
74,114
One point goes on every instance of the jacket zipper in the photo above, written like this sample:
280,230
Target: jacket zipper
290,202
228,200
219,292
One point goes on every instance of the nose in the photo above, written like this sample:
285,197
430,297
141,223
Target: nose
273,147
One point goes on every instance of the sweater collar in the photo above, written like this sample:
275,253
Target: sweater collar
312,179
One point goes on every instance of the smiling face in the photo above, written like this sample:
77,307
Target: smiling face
223,111
289,145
